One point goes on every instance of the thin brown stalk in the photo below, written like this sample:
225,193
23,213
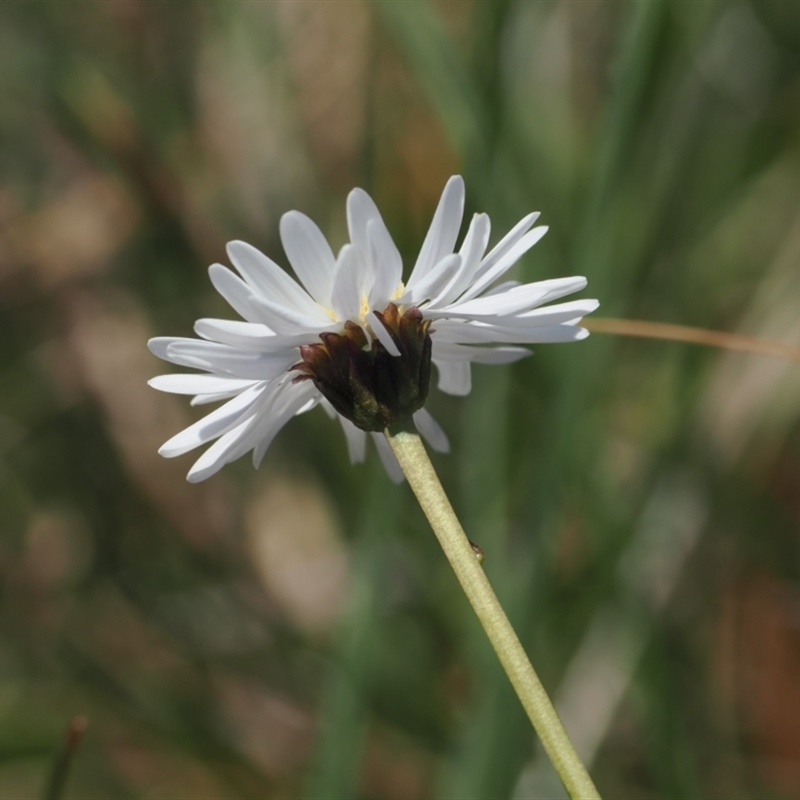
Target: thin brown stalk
684,333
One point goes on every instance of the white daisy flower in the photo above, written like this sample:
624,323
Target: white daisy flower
352,337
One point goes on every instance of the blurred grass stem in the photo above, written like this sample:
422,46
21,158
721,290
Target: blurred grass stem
685,333
425,484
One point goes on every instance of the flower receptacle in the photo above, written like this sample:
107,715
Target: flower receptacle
366,384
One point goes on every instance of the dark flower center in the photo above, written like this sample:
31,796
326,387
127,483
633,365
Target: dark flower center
372,388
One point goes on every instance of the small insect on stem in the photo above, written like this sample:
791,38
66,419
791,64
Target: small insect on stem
478,551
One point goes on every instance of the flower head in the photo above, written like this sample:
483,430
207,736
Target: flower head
355,339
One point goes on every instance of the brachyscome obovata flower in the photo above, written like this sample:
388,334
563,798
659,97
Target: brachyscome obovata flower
355,339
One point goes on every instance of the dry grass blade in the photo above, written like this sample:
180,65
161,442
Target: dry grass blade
685,333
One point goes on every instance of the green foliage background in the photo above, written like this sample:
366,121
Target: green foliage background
295,632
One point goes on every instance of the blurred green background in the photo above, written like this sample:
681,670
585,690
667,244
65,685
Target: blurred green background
295,632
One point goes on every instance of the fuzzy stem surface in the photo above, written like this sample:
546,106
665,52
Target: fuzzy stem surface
425,484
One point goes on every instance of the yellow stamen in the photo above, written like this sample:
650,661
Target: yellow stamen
329,312
364,310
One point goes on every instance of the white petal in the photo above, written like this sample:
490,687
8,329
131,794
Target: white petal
471,252
506,243
556,314
165,347
279,404
158,345
560,287
216,423
521,298
361,210
286,321
514,306
215,458
499,355
390,463
266,278
501,287
503,264
387,264
383,335
310,255
475,242
238,294
455,377
349,285
455,331
232,361
248,335
431,431
310,404
443,232
221,358
205,399
198,384
209,327
356,441
479,355
286,405
433,282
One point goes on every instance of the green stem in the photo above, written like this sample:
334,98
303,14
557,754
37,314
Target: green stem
424,482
